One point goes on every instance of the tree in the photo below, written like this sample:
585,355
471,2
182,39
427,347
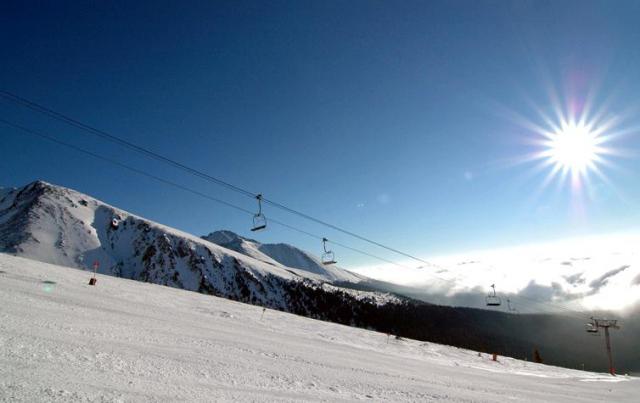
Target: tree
537,357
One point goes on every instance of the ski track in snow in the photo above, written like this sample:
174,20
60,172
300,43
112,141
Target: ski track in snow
129,341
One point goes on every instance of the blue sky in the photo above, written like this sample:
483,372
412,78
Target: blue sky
393,119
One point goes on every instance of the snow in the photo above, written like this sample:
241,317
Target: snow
124,340
291,256
57,225
284,255
232,241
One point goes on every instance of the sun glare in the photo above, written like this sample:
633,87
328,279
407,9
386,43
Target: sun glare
573,145
574,148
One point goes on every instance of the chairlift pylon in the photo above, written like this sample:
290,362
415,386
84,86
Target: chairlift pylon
259,220
492,299
327,257
510,307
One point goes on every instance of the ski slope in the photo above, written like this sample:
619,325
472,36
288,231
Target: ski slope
125,340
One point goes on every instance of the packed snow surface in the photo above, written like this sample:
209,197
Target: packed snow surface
123,340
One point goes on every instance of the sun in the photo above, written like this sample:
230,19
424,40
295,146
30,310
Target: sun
574,144
570,141
573,148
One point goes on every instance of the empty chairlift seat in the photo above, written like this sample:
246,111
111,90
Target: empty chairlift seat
591,327
328,256
492,299
259,220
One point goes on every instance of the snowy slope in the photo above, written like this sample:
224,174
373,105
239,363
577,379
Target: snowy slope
129,341
57,225
246,246
282,254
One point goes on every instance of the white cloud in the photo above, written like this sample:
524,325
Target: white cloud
590,272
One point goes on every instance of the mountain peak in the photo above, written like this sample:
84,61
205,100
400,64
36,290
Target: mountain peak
41,185
223,237
58,225
282,254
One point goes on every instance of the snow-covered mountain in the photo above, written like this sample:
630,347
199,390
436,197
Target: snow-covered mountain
57,225
282,254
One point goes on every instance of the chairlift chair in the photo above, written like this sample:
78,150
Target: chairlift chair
327,257
591,327
259,220
492,299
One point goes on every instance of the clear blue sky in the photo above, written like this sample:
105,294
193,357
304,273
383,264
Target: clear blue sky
387,118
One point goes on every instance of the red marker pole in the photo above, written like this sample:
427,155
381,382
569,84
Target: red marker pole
93,280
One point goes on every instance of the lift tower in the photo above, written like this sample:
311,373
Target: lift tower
605,324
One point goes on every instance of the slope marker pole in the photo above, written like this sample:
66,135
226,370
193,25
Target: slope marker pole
93,280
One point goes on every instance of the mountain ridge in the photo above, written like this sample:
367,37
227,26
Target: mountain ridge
283,254
57,225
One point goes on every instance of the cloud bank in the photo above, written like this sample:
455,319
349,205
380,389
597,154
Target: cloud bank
594,273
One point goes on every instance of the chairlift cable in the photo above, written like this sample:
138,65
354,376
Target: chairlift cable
101,133
128,167
190,190
110,137
208,197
